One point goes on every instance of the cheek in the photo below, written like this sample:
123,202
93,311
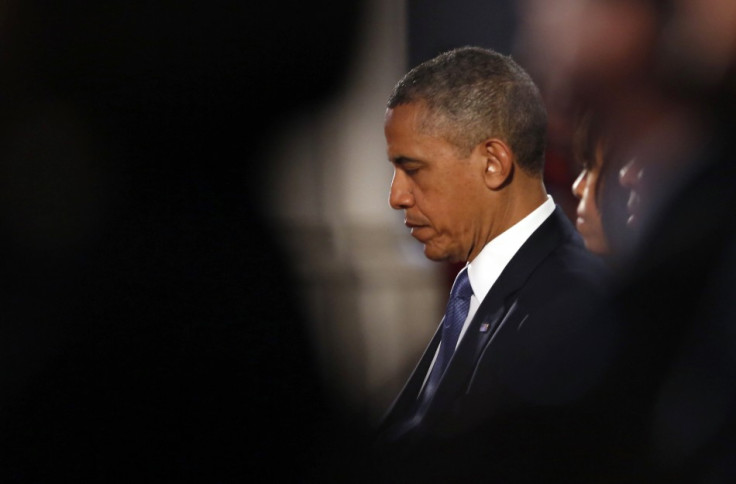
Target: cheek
590,196
451,214
447,205
587,203
434,203
440,217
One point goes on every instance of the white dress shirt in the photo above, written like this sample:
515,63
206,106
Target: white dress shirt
484,270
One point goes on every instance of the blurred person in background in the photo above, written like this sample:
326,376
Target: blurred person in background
601,210
661,74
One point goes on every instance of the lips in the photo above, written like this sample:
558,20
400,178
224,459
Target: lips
416,228
632,207
582,226
579,222
411,223
633,203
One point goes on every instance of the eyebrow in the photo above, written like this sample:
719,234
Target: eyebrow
403,160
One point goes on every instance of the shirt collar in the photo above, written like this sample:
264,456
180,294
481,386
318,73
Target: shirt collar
491,261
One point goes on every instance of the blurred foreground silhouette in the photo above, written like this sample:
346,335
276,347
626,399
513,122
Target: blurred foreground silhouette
149,322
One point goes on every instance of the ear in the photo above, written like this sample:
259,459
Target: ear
499,163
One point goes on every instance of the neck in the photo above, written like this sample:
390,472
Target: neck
523,198
513,203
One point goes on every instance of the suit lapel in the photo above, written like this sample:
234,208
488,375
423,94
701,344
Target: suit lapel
496,310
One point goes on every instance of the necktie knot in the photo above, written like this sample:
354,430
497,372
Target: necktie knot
461,288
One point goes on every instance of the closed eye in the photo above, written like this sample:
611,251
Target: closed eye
410,171
408,165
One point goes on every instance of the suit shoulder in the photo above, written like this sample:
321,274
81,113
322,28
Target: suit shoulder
571,268
575,257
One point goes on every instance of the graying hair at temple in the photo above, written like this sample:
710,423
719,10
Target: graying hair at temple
476,94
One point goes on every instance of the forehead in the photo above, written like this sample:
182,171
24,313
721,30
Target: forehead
409,133
405,118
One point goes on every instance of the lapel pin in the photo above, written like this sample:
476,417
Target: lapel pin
484,327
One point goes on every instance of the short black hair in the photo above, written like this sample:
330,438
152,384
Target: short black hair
475,93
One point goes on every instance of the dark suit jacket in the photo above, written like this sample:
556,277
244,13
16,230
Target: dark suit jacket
527,360
673,392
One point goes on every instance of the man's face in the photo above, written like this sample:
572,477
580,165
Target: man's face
441,193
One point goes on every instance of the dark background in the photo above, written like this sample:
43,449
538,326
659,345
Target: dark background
149,321
435,26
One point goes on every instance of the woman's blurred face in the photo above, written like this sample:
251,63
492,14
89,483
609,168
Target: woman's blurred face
631,177
588,221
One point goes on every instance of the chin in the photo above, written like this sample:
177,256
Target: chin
435,254
598,247
434,257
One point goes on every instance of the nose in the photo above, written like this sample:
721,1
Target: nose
400,196
578,186
630,174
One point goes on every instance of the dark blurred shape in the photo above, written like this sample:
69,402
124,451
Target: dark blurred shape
664,85
150,327
437,25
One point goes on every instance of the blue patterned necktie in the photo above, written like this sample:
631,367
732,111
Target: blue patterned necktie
455,314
